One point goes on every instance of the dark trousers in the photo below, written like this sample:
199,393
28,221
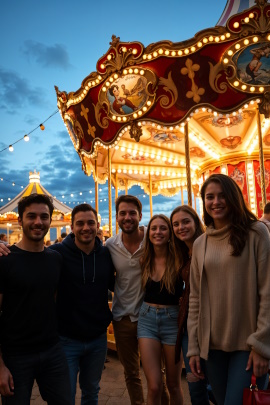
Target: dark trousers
49,368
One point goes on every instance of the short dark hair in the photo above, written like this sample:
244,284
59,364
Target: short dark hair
63,235
2,235
266,209
129,199
83,208
112,88
35,199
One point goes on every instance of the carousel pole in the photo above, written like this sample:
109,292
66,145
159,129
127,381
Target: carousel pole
261,157
96,187
150,196
182,196
110,189
126,187
195,204
189,188
116,196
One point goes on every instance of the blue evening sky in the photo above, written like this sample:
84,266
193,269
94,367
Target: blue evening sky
56,42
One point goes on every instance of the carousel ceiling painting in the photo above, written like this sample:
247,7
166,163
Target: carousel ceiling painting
167,115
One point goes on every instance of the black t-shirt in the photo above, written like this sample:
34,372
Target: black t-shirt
154,294
28,282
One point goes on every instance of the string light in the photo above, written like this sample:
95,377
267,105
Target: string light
26,137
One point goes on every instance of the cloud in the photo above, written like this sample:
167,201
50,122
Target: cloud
17,92
47,56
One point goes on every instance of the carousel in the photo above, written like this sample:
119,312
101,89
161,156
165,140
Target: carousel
9,213
166,116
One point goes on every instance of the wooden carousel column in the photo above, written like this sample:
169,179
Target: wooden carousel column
110,189
126,187
150,196
116,196
189,188
182,195
96,187
261,158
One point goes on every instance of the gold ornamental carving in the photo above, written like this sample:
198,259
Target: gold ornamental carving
170,87
195,93
214,76
84,113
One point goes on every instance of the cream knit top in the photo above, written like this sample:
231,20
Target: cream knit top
229,304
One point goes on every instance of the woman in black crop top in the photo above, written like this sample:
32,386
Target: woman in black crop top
157,324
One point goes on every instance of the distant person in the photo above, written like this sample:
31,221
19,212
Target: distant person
30,347
48,243
266,215
3,238
63,235
100,235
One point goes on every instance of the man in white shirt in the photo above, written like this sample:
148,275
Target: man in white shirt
126,250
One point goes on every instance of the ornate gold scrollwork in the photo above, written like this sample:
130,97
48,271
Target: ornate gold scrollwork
264,106
170,87
120,56
214,75
104,123
84,113
195,93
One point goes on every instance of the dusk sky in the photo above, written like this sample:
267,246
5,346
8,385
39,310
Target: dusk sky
47,43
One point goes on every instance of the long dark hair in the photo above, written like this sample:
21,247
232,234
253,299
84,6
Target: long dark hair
147,261
182,249
240,216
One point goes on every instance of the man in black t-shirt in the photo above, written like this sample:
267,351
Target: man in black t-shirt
28,332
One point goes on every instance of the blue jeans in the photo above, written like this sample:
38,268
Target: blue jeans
228,376
48,367
86,357
199,390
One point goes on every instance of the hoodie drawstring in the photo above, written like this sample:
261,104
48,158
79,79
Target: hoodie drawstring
94,273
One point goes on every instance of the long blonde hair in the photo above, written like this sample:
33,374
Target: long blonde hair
172,263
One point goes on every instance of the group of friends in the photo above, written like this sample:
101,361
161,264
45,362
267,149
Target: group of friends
181,292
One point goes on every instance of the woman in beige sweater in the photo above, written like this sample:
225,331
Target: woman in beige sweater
229,305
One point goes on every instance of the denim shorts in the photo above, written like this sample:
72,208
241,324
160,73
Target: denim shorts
158,323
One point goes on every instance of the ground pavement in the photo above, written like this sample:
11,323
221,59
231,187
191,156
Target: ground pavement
113,389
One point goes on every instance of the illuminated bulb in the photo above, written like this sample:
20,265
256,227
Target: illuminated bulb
236,25
11,149
26,138
237,46
255,39
42,127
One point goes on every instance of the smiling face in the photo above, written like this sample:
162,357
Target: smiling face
216,205
128,217
35,222
184,227
85,228
159,232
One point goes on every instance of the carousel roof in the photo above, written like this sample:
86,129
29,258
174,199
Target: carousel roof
233,7
34,186
148,111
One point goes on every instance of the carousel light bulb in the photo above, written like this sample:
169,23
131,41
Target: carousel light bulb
42,127
26,138
11,149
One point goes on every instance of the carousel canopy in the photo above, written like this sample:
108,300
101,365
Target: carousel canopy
168,114
9,211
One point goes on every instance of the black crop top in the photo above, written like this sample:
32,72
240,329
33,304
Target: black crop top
153,295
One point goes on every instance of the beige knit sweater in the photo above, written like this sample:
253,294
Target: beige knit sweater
229,303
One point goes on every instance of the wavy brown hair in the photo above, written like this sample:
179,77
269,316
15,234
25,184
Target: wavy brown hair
240,216
182,249
147,261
